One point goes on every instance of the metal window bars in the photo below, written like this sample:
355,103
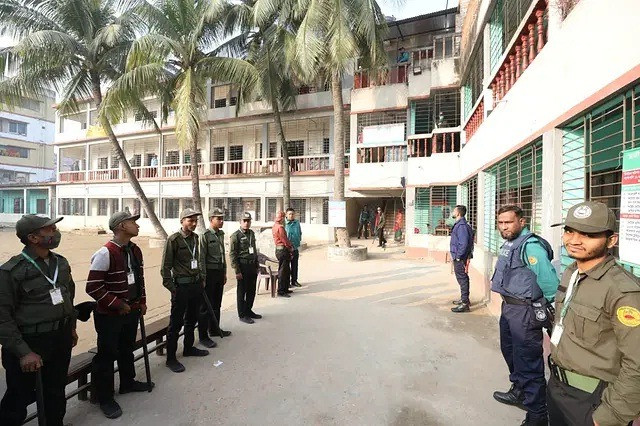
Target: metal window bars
433,208
469,199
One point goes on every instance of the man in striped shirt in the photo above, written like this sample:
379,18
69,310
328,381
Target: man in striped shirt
116,282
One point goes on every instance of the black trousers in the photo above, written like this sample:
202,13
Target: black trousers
363,228
246,290
459,268
294,266
284,272
55,349
185,308
381,239
214,290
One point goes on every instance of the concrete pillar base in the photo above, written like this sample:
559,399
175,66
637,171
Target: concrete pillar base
346,254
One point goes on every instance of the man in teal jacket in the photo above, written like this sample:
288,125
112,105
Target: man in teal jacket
294,233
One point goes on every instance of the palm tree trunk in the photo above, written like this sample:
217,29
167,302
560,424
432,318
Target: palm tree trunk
195,179
133,180
286,167
342,234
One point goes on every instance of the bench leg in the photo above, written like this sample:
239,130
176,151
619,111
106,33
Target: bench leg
82,380
93,397
160,350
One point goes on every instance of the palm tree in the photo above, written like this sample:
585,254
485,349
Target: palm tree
331,36
75,47
174,61
264,47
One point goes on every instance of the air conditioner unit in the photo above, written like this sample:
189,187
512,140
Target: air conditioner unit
417,70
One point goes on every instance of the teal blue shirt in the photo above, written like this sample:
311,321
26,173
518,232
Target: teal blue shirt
294,232
535,256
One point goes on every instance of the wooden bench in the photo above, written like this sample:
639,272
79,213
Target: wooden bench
80,365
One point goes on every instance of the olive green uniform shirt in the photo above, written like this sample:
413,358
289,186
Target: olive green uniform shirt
239,244
212,250
25,299
601,337
177,257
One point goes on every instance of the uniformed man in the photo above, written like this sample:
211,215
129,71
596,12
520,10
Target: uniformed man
527,282
214,265
244,261
37,322
116,282
182,276
595,345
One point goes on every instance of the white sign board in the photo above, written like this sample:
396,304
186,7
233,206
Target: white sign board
338,214
383,135
630,208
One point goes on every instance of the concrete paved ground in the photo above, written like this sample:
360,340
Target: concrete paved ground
372,343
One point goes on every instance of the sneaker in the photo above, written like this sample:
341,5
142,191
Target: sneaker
136,386
247,320
463,307
111,409
195,352
253,315
208,343
175,366
225,333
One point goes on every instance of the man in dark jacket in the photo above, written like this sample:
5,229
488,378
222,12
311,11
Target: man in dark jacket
461,252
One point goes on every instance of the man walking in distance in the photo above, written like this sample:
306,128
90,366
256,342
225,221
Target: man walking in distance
363,222
527,281
116,282
379,223
182,276
461,248
37,322
214,266
284,250
244,261
294,234
594,359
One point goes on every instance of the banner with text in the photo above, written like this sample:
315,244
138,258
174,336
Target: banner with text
630,207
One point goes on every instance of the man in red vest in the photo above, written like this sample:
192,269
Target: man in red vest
116,282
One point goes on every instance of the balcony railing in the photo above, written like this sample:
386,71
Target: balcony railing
438,143
476,119
397,74
145,172
104,174
180,170
307,163
76,176
382,154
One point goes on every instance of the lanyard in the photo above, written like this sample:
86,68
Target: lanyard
55,274
571,291
193,251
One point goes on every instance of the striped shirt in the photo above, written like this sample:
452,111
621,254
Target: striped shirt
107,280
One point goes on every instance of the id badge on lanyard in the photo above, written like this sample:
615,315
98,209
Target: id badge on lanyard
55,293
194,261
558,329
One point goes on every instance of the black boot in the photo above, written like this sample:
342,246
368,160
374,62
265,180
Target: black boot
513,396
535,421
175,366
463,307
136,386
457,302
111,409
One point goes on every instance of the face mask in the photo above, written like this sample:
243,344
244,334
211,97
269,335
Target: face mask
50,242
453,216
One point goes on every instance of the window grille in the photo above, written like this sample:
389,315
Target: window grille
273,150
295,148
115,162
103,163
325,211
235,152
172,157
515,180
71,206
473,81
300,206
218,153
272,206
220,95
441,110
325,145
376,119
187,156
103,207
592,155
171,208
469,198
433,207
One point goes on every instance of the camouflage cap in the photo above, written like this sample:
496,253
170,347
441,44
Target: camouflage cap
590,217
246,216
216,213
119,217
29,223
188,213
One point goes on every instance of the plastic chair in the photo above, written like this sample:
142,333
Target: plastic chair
266,273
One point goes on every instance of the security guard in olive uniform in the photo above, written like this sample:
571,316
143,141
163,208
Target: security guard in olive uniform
182,276
214,265
595,344
37,322
244,261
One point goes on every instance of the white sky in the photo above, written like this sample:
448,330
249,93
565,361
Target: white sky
402,9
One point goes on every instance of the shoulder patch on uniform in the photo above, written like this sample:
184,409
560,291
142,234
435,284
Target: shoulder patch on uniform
532,260
628,316
12,263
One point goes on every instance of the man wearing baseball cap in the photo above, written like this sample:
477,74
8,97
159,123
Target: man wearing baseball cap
116,282
182,276
595,361
244,261
37,322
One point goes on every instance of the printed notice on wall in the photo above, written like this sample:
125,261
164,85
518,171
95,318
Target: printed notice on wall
630,208
338,214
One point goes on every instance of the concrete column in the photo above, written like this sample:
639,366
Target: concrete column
552,188
410,215
265,141
481,214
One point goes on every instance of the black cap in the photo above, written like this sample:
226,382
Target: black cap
119,217
590,217
30,223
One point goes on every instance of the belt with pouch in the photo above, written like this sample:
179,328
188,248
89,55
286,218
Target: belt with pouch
584,383
45,327
515,301
185,280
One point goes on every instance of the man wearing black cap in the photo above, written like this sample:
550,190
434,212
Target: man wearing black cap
37,322
244,261
594,362
214,265
116,282
182,276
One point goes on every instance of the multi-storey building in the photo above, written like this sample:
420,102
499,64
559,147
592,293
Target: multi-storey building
240,168
27,162
548,106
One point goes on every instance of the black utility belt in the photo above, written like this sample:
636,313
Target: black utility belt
45,327
515,301
185,280
220,269
247,261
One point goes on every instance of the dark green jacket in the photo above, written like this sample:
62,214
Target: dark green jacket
212,250
239,244
176,259
25,299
